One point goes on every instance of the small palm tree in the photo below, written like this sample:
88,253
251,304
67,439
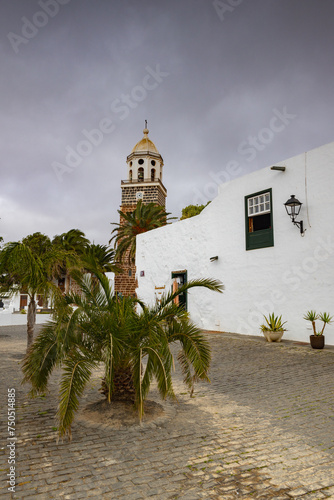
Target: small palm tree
97,326
142,219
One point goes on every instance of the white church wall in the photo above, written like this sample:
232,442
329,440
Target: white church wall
293,276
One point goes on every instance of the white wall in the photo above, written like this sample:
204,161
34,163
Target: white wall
9,319
295,275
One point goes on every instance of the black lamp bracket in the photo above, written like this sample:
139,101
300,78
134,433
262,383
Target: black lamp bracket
300,224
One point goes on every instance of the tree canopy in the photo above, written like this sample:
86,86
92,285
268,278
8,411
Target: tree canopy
33,265
28,266
143,218
192,210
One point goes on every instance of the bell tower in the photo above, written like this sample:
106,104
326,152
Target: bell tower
144,182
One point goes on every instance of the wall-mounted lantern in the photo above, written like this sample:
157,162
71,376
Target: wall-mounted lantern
293,207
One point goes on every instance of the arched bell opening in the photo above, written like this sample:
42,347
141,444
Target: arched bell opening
140,174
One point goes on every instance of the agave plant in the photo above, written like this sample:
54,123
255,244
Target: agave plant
313,316
274,324
119,332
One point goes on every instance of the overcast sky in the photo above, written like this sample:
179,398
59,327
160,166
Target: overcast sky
243,81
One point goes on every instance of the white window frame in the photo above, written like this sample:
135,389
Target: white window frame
259,204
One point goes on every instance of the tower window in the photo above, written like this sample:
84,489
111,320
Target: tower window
130,175
152,174
130,163
140,173
152,162
141,161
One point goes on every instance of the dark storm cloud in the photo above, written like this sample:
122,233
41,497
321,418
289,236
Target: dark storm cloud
226,74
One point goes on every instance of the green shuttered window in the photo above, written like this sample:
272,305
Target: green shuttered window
259,220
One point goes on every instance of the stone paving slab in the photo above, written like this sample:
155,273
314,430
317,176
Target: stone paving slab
263,428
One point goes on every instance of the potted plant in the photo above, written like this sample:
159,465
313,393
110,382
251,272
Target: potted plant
317,340
273,329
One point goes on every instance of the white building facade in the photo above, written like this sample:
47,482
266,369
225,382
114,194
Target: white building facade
246,239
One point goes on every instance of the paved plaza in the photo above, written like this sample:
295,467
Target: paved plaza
263,429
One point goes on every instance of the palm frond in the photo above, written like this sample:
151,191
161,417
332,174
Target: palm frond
108,365
77,370
159,365
41,359
137,378
195,354
18,260
143,218
209,283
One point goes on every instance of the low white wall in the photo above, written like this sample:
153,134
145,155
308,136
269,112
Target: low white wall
9,319
290,278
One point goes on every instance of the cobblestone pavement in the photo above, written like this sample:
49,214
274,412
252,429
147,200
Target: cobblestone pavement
263,429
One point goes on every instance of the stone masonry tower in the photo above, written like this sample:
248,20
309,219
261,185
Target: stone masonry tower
144,182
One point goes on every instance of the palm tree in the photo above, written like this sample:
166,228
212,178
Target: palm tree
97,326
74,243
142,219
100,257
28,266
74,240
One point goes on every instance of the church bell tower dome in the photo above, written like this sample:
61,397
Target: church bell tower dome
145,166
145,144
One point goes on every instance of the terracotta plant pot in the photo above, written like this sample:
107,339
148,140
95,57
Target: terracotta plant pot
273,336
317,341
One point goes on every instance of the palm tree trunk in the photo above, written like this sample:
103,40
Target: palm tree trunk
123,385
67,283
31,320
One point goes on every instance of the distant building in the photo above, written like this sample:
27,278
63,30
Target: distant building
246,239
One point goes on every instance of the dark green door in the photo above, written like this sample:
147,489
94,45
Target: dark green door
181,278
